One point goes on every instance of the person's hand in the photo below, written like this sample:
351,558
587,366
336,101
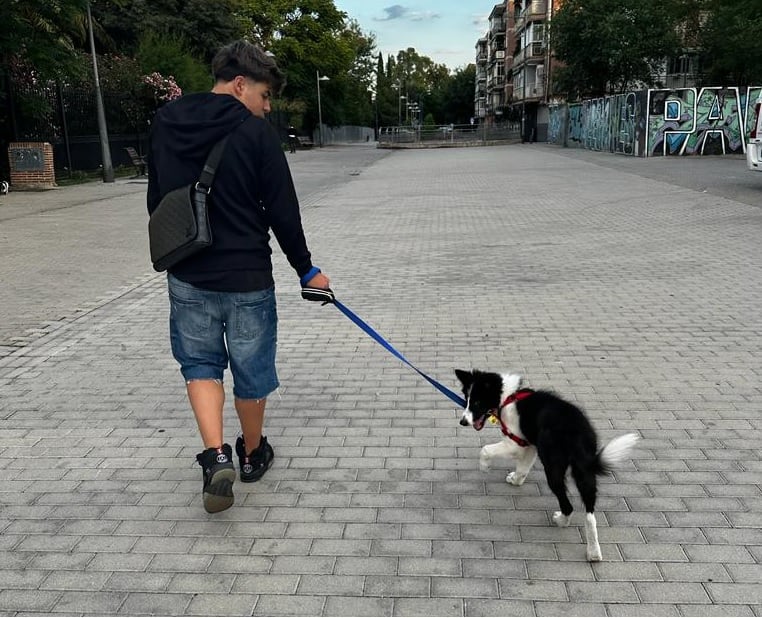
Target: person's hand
320,281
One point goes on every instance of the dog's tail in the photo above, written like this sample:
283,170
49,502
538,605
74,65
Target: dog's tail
611,455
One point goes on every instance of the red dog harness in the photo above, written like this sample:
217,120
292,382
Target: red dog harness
512,398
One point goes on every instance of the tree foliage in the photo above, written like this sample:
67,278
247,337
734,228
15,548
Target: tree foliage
610,45
179,37
43,34
204,26
311,38
171,55
730,39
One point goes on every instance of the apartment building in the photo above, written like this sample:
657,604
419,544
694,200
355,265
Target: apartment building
514,66
492,69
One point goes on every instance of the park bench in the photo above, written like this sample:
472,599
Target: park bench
305,142
138,161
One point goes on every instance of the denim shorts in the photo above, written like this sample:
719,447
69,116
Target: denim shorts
210,329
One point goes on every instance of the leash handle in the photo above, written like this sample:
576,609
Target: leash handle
321,295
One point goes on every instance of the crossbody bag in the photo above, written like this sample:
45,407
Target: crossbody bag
179,227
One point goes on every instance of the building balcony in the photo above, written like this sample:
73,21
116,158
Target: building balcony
536,11
531,91
496,36
495,82
534,52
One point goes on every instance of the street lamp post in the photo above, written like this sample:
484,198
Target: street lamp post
108,168
399,111
320,109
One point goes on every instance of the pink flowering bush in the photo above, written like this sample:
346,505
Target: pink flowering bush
164,88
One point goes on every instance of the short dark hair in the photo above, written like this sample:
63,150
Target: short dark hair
249,60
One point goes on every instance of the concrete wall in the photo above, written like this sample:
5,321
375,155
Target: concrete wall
658,122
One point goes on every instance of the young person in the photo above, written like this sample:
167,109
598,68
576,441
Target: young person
222,299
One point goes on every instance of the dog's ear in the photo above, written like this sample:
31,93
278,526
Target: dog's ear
465,377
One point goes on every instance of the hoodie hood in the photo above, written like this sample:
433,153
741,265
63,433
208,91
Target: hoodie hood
192,124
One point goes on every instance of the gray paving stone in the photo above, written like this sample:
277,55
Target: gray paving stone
735,593
75,602
533,590
374,480
137,582
221,605
641,609
358,606
428,607
155,603
282,605
667,592
21,600
715,610
695,571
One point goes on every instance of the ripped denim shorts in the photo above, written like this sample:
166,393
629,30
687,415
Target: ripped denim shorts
209,330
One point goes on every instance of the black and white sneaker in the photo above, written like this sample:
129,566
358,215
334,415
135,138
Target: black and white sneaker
219,474
254,465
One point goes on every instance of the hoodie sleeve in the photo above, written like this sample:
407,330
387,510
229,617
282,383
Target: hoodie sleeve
279,200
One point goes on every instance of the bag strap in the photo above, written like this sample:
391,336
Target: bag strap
212,161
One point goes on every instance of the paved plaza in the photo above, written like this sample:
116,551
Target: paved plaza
605,278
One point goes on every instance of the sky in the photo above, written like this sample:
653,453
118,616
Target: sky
444,30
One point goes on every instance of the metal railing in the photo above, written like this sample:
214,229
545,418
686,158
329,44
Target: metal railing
448,134
533,51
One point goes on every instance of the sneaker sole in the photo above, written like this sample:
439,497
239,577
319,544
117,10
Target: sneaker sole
218,495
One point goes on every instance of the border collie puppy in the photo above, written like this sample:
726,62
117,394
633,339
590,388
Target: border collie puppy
539,423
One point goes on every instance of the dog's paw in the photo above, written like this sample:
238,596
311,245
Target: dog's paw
515,479
561,520
594,554
484,459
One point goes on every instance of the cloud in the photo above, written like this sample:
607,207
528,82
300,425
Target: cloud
396,11
424,16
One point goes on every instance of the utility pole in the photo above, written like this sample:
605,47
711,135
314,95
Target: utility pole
108,168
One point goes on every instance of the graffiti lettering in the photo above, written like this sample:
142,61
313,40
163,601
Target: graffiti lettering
659,122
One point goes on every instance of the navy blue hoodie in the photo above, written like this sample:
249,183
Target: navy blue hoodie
252,193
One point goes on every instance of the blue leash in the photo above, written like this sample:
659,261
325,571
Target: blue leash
326,296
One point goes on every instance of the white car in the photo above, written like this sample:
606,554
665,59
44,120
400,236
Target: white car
754,147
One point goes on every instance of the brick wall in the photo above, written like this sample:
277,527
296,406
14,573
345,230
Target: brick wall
31,165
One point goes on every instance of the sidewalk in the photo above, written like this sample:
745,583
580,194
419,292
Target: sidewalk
639,299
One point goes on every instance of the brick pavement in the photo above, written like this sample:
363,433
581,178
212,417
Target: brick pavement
640,299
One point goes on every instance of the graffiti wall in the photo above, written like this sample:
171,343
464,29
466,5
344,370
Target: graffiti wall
687,121
700,121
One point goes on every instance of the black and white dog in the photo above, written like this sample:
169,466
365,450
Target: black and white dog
539,423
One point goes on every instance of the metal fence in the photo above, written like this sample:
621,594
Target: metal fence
448,135
66,117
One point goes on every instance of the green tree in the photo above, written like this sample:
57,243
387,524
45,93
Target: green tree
729,40
311,37
171,55
460,96
608,46
42,33
204,26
